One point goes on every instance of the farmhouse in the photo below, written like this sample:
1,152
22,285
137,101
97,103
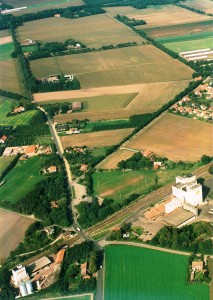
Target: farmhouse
197,265
39,264
63,127
77,105
31,150
18,109
3,139
83,168
84,270
28,42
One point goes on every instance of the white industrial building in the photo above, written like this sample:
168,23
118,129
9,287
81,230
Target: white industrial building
187,192
19,275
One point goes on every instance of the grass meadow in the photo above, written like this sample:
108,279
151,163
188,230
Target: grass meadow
144,274
21,179
190,45
6,50
4,162
119,185
9,80
20,119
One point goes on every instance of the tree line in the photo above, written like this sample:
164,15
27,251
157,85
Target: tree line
130,22
199,11
194,238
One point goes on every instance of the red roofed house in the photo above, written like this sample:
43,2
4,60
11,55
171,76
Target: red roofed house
83,168
52,169
31,150
3,139
197,265
84,270
19,109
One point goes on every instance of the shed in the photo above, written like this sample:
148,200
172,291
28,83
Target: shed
38,264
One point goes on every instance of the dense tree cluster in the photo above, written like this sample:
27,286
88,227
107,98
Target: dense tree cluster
194,238
11,95
70,278
134,3
6,292
91,213
136,162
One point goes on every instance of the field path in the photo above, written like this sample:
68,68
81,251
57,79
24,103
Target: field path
104,243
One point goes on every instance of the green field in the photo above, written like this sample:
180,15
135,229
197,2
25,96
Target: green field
4,162
21,179
91,125
190,45
6,50
30,48
21,119
119,185
186,37
143,274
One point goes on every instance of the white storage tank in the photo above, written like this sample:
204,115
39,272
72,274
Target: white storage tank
23,289
29,287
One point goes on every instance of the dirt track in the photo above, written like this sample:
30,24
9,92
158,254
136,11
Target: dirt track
6,40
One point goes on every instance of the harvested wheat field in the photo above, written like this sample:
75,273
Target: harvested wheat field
150,97
93,31
12,229
176,137
204,5
159,15
96,139
124,66
118,156
9,80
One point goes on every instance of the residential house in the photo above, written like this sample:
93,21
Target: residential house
18,110
52,169
77,105
31,150
84,270
3,139
83,168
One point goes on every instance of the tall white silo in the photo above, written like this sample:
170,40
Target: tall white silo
23,289
29,287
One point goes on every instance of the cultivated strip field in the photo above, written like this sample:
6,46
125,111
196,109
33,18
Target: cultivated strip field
204,5
116,158
12,229
124,66
159,15
179,30
96,139
5,40
34,6
133,273
4,33
9,80
93,31
190,45
150,97
186,139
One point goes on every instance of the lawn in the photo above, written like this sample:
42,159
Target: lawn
4,162
118,185
20,119
21,179
117,67
93,31
144,274
186,139
9,80
99,151
6,50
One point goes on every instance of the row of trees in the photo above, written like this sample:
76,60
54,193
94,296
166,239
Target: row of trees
11,95
193,9
136,162
194,238
130,22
